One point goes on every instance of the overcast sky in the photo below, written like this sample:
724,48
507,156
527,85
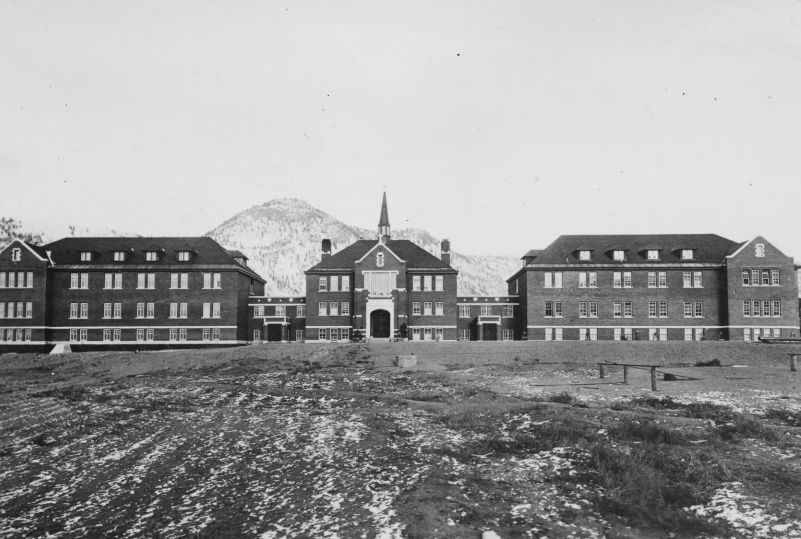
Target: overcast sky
497,124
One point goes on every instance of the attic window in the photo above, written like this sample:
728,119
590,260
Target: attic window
619,254
653,254
584,255
686,254
183,256
119,256
151,256
16,255
379,260
86,256
760,250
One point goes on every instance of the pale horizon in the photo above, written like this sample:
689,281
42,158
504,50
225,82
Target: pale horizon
499,126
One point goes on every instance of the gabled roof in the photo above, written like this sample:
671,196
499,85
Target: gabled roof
66,251
710,248
35,249
237,254
532,253
415,256
186,248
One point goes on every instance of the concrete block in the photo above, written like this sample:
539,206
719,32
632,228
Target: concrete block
406,361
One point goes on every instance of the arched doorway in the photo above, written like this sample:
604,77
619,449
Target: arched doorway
379,324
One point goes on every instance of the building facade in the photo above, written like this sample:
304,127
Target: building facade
127,291
657,287
488,318
381,289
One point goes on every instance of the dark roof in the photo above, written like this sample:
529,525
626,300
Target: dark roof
66,251
710,248
533,253
186,248
415,256
237,254
38,249
384,219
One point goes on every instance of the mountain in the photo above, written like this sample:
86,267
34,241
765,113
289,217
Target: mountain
282,239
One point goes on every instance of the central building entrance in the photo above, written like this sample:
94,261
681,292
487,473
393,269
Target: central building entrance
490,332
273,333
379,324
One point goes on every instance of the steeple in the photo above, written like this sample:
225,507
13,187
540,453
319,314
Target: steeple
383,222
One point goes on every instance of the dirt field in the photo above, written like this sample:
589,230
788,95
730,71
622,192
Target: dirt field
523,439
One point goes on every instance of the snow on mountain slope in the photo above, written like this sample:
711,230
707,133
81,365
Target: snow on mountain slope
282,239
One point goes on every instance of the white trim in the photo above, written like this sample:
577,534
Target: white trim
696,326
112,326
329,327
34,253
738,251
496,304
275,304
140,343
386,247
431,327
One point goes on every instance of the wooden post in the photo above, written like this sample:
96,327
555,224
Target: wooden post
601,369
653,378
794,362
625,374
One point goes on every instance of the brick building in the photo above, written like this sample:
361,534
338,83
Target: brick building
657,287
277,319
382,288
126,291
487,318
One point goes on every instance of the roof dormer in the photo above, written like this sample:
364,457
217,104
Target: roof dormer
185,253
88,253
617,252
153,253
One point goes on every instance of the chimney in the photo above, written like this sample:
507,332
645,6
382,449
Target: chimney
326,249
445,249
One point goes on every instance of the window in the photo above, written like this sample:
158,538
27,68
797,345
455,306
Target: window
464,334
140,280
508,335
427,334
183,256
416,283
140,310
173,280
183,310
83,334
86,256
627,279
593,279
439,308
206,334
754,277
29,309
334,283
590,277
258,311
415,334
344,334
765,278
20,307
747,334
464,311
553,279
688,309
184,284
117,335
688,279
486,310
12,280
698,279
151,256
756,306
301,311
548,334
140,334
427,308
627,309
173,334
553,309
617,279
663,309
280,310
618,309
215,310
584,255
2,285
619,255
344,308
118,310
699,309
322,334
653,254
687,254
593,309
508,311
346,283
151,281
323,284
333,308
107,310
776,332
119,256
84,281
151,310
439,284
777,309
109,281
322,308
84,310
300,335
558,334
765,308
182,334
73,310
583,310
217,280
207,280
760,250
379,260
416,308
746,277
651,279
662,279
16,255
774,277
149,334
73,335
746,308
652,312
427,283
173,310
